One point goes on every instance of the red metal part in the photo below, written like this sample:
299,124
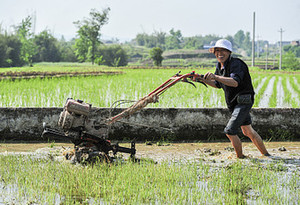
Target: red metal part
152,97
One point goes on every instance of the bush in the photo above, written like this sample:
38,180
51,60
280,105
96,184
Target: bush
156,55
289,61
113,55
10,47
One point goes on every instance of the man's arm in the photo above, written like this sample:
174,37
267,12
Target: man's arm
210,82
209,78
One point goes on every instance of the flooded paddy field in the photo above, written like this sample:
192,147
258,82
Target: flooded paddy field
169,173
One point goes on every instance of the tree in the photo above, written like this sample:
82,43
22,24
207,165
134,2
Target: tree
10,47
156,56
89,34
67,52
194,42
113,55
290,61
174,40
47,47
28,48
239,38
295,49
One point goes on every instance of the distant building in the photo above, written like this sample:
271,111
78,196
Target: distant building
295,43
211,44
284,43
207,47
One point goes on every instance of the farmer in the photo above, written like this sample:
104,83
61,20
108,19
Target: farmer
232,75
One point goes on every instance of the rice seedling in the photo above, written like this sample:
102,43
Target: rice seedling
102,91
43,181
264,100
273,97
259,92
287,93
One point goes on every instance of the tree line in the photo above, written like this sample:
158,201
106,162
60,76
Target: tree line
24,47
175,40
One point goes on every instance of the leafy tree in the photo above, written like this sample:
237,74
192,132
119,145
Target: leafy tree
113,55
156,56
66,50
239,38
195,42
28,48
247,44
290,61
10,47
174,40
89,34
160,39
157,39
294,49
4,52
141,39
47,47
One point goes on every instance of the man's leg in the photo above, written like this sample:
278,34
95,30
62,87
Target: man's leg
237,145
255,138
238,117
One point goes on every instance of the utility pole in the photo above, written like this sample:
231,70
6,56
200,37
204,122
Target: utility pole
257,45
280,51
253,41
33,16
267,50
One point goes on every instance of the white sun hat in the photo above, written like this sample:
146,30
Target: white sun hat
222,43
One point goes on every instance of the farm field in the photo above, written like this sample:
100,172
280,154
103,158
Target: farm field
189,173
273,89
180,173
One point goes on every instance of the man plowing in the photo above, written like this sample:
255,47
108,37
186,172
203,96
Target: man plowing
232,75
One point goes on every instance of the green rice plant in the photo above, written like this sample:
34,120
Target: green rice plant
296,89
258,95
102,91
44,181
273,97
256,78
287,93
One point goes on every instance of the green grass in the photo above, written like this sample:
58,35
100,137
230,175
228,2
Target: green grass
43,181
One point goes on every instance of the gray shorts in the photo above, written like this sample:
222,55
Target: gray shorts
240,116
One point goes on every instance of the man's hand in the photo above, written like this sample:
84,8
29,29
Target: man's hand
209,76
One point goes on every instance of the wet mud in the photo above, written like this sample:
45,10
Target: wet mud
214,153
222,153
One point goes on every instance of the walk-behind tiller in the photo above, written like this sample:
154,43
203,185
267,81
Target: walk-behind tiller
91,143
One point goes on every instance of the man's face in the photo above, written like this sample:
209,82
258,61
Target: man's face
222,54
